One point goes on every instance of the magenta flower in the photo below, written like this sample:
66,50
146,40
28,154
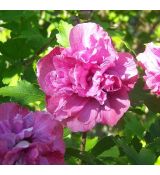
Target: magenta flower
29,137
150,62
88,82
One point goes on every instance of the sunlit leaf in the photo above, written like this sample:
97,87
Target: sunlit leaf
90,143
25,93
63,35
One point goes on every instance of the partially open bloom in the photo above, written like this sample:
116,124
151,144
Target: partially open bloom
88,82
29,137
150,62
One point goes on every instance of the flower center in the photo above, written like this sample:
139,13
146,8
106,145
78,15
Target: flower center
111,83
23,144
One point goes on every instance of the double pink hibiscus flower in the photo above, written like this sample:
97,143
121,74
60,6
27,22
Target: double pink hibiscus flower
88,82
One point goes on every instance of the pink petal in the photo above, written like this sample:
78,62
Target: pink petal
84,120
126,69
150,58
54,105
45,65
9,110
74,104
45,127
84,35
115,107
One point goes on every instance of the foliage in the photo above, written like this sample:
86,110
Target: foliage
26,36
63,35
24,93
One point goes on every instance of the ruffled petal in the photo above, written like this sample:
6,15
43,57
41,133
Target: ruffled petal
84,120
45,65
150,58
126,69
9,110
115,107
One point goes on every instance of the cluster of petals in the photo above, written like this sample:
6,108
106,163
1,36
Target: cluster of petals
29,137
88,82
150,62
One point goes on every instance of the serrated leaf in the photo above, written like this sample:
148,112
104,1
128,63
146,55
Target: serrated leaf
102,145
11,81
86,157
130,152
133,127
63,35
112,152
90,143
66,133
24,93
153,136
146,157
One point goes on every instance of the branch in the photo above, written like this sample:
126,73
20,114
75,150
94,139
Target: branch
83,144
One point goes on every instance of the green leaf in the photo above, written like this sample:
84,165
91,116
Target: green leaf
90,143
138,96
136,143
157,161
154,131
63,35
118,39
133,127
146,157
130,152
66,133
102,145
4,35
112,152
86,157
9,16
11,81
72,152
33,38
15,49
73,140
25,93
154,146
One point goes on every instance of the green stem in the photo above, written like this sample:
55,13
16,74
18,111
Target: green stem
83,144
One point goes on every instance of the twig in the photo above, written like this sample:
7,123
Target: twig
83,144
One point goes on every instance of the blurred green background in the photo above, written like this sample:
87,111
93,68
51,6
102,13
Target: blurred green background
26,36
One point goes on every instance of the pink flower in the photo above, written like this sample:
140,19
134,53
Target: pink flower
29,137
88,82
150,62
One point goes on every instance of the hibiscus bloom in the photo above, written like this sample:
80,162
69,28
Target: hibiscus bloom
29,137
88,82
149,60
